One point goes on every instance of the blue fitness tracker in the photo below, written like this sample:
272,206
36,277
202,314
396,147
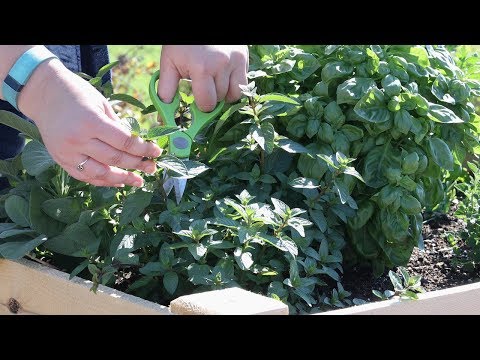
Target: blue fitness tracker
22,70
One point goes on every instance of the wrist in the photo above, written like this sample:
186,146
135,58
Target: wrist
34,98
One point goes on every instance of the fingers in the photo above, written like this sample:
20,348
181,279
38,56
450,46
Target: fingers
115,135
237,77
168,81
204,91
221,85
109,155
99,174
110,112
108,147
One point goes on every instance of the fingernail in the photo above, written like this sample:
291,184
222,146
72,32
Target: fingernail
138,183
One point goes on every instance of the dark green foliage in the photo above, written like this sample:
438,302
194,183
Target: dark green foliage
333,151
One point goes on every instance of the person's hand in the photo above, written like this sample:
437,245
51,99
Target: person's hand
77,123
216,72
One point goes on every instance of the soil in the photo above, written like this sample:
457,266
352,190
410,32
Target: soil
436,263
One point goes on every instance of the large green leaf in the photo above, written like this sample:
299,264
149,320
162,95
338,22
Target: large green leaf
172,163
170,282
40,221
14,121
376,162
440,113
459,90
277,97
441,153
319,219
264,135
391,85
403,121
7,226
66,210
440,90
352,90
373,107
128,99
158,131
35,158
76,240
305,66
15,232
352,132
284,245
291,146
17,249
8,168
17,210
335,70
134,205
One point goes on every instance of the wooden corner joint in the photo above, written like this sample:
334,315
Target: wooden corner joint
231,301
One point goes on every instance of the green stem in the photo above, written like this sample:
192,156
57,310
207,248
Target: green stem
278,231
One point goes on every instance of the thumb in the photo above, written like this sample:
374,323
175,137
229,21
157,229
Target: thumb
168,81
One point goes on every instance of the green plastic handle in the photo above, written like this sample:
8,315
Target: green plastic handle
167,111
180,143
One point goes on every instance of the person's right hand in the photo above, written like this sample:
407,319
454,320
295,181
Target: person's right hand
77,123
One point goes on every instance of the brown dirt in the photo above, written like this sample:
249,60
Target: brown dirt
436,263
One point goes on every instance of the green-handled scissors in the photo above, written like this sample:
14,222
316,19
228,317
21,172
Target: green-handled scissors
180,142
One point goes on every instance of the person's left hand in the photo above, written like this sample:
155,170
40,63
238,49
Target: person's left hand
216,72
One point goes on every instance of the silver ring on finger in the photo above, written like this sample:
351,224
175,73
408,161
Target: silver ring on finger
81,167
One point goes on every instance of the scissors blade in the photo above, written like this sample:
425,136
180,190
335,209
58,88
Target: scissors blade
179,186
168,183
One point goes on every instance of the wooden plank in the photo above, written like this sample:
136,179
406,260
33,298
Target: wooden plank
459,300
31,288
230,301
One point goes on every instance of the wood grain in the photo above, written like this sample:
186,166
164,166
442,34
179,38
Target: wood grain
459,300
30,288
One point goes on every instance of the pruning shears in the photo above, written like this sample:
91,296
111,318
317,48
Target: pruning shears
180,142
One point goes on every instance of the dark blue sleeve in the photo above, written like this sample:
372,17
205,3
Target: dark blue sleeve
93,57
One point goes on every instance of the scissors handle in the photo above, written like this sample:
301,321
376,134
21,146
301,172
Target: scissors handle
200,119
180,143
167,111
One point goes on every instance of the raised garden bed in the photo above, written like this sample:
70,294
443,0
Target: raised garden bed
29,288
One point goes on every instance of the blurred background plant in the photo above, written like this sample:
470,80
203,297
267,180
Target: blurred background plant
136,65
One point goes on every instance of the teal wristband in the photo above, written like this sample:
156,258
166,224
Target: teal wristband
22,70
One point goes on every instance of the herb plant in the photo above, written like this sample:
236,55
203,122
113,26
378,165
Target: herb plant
327,160
406,286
